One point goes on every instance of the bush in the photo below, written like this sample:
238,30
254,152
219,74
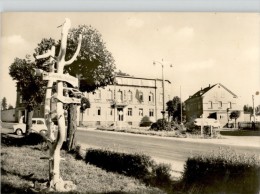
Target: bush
31,139
161,125
145,122
222,172
135,165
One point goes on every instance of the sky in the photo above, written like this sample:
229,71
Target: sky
203,48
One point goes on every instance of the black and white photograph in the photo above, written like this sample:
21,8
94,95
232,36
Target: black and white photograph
130,102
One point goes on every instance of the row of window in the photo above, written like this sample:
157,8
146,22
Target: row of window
122,95
220,104
129,112
210,105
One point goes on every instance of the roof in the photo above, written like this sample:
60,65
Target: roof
205,90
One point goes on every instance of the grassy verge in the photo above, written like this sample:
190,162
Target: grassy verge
241,133
21,168
143,131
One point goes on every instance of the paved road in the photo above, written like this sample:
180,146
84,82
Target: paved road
171,150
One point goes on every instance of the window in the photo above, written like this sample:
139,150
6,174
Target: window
99,111
33,122
141,112
220,104
130,112
111,112
129,96
141,97
98,94
210,104
110,94
39,122
150,98
151,112
120,96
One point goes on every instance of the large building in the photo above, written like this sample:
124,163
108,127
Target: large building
126,102
214,101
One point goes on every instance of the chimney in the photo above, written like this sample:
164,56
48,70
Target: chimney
209,85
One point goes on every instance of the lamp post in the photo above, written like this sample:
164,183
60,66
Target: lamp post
162,64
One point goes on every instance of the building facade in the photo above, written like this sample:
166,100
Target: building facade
20,109
126,102
214,101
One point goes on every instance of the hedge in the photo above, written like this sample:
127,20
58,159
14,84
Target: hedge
135,165
222,172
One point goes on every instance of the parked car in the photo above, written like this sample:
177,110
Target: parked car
207,122
38,126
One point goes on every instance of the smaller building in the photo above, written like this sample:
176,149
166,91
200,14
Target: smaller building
8,115
215,101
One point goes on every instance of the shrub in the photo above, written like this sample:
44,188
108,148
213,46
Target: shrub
222,172
161,125
136,165
145,122
31,139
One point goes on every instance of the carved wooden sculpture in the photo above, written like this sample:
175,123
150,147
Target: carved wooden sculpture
55,181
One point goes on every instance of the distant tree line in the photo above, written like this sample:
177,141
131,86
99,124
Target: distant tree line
4,105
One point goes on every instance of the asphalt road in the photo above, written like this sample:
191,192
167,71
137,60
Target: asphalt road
165,149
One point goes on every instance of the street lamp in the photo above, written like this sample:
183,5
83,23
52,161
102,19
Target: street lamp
162,64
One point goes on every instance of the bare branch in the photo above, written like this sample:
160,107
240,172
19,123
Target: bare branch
76,53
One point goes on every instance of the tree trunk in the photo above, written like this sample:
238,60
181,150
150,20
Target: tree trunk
72,127
29,121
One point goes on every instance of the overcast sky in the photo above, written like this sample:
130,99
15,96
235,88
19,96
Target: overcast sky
204,48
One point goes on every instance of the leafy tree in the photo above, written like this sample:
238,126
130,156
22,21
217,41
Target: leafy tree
120,73
83,106
4,104
235,115
10,106
31,87
248,109
94,65
174,108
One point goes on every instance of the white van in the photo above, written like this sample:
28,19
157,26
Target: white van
38,126
207,122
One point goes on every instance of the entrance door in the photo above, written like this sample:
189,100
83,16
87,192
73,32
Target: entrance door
120,114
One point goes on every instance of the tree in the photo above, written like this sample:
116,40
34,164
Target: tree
4,104
10,106
83,106
248,109
120,73
31,87
235,115
94,65
174,108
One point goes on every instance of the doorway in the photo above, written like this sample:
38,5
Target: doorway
120,114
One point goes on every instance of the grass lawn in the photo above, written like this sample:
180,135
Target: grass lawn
21,167
143,131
